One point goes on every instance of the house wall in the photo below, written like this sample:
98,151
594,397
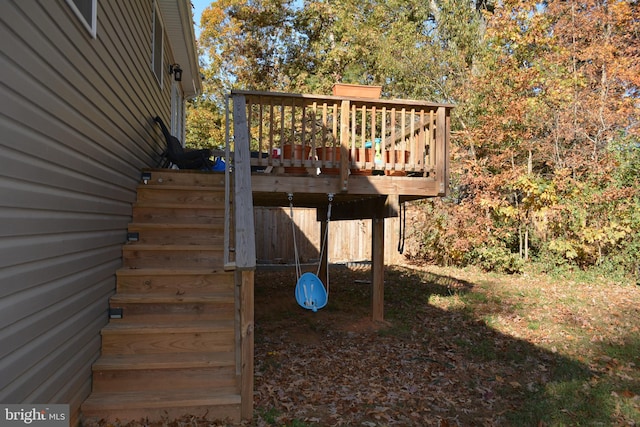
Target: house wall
75,129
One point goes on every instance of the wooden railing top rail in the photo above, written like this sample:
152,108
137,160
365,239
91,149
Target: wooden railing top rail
308,99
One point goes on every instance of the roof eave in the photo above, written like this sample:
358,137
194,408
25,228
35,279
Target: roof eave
178,22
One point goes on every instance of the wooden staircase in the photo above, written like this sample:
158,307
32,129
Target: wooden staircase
174,351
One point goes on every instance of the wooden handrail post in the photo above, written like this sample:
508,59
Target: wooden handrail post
344,144
442,150
243,198
245,251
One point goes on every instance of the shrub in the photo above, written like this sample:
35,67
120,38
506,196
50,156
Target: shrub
497,258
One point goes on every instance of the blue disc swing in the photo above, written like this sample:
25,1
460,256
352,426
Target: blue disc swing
310,292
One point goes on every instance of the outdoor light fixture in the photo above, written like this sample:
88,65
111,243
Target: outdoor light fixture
116,313
146,177
176,71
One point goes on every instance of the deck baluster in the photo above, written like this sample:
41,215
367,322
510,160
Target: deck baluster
412,135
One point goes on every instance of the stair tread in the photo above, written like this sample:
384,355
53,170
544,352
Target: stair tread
164,361
157,247
169,205
164,328
183,187
157,399
171,299
146,271
172,225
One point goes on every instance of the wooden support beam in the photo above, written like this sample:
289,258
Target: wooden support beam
392,206
364,208
271,185
377,269
246,283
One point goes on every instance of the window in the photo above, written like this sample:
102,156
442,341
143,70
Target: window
86,11
158,38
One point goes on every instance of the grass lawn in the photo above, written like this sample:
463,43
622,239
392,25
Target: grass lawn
458,347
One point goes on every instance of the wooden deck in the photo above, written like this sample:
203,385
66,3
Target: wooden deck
183,344
361,150
367,155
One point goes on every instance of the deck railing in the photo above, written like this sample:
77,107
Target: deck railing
310,134
304,134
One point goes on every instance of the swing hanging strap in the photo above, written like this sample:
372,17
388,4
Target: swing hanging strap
310,292
324,239
402,228
295,246
324,242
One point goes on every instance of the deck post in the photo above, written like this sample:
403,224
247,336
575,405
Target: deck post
245,252
377,269
246,281
442,152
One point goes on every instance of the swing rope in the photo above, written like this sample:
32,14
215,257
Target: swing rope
403,225
324,244
295,246
322,248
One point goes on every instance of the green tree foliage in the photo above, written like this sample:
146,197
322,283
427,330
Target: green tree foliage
551,138
246,42
243,44
411,47
546,151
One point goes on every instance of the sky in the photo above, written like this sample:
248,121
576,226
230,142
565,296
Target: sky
198,7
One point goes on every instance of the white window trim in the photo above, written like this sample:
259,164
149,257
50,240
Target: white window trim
92,26
156,15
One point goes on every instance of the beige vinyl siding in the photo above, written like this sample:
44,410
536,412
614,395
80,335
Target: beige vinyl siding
75,129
